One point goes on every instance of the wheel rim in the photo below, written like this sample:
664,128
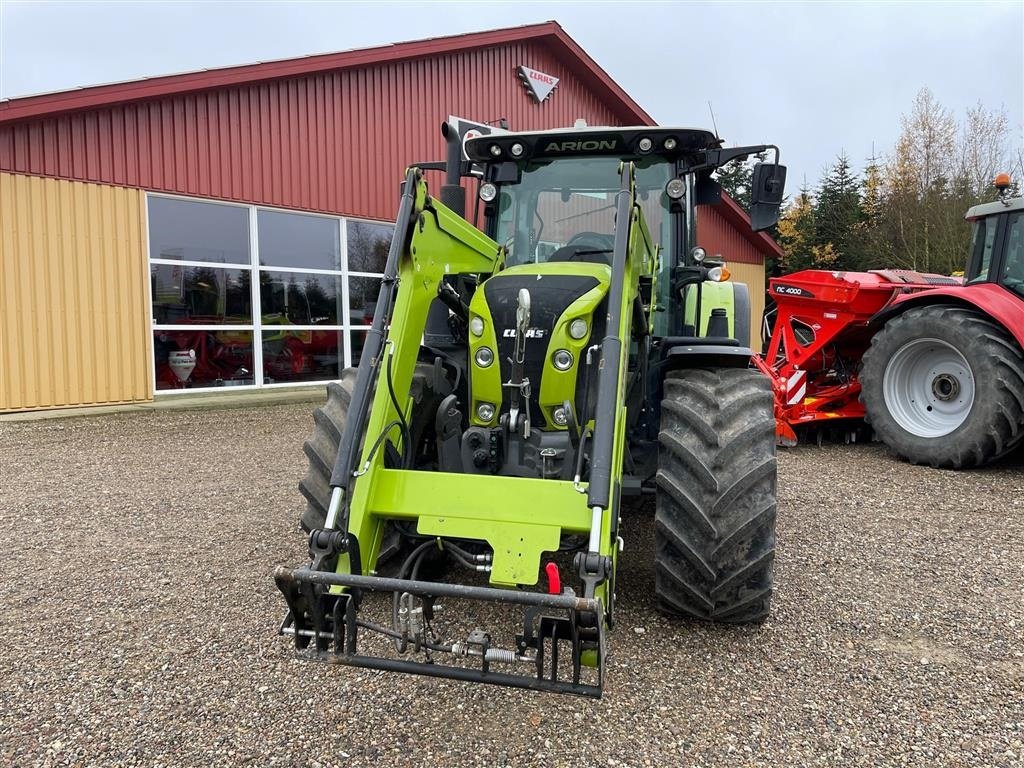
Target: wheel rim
928,387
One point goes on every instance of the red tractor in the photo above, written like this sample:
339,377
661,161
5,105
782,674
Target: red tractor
935,365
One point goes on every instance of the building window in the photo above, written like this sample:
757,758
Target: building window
252,296
299,240
185,230
368,245
200,270
302,307
200,295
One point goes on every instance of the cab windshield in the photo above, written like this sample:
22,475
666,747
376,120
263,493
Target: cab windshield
1013,267
564,210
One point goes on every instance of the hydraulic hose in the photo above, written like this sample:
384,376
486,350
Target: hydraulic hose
406,435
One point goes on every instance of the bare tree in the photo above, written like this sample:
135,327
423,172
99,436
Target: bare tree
933,177
983,150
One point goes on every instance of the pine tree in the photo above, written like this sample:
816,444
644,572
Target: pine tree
869,236
836,214
872,191
736,178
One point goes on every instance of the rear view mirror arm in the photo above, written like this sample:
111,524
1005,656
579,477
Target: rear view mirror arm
716,158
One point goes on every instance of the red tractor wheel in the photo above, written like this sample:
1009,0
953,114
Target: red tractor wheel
944,385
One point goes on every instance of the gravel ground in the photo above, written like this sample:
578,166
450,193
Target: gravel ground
139,622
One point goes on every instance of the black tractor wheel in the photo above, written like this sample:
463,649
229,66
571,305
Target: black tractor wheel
715,517
944,386
322,447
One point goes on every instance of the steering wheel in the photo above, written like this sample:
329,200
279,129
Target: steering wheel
594,240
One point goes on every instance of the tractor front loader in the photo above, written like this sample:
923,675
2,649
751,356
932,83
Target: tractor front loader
516,385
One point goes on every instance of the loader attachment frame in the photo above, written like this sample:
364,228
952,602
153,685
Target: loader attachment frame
519,518
326,627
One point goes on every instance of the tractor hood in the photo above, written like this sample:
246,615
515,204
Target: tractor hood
560,293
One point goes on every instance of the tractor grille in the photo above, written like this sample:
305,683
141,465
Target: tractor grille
550,296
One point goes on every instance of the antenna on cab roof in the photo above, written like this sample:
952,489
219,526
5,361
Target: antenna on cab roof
713,124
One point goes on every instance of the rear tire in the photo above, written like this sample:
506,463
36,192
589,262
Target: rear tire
944,386
715,516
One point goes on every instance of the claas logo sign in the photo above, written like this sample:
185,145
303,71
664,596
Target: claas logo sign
539,84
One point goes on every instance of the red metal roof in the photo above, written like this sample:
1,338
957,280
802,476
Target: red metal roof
548,32
332,141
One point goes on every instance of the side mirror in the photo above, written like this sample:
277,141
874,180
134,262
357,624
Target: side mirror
767,187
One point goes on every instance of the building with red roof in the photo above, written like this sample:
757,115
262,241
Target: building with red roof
243,213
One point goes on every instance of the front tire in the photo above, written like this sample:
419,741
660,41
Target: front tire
944,386
715,516
321,448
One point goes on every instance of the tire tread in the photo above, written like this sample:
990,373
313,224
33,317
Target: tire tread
715,511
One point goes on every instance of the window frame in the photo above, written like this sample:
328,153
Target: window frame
256,327
978,249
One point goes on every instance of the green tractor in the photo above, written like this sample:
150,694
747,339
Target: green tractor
521,381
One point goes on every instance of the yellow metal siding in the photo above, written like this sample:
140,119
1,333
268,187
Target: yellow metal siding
753,276
73,294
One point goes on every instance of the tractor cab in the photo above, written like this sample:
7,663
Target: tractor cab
551,200
997,241
549,197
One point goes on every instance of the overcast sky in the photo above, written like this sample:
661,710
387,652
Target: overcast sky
814,78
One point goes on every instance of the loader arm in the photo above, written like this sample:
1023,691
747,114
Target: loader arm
442,243
434,242
430,240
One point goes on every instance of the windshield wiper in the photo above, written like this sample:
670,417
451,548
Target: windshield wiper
586,213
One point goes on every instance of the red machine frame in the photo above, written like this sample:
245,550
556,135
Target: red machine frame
822,328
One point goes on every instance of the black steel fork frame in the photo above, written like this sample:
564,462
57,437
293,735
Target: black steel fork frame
326,628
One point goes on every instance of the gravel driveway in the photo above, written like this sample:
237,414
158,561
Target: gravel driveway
139,622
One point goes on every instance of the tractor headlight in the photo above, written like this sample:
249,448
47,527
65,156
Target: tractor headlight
718,274
484,357
559,416
562,359
578,328
517,149
485,411
488,192
495,150
476,325
645,144
699,254
675,189
670,143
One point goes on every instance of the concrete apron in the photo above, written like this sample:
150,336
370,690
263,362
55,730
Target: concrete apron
203,400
